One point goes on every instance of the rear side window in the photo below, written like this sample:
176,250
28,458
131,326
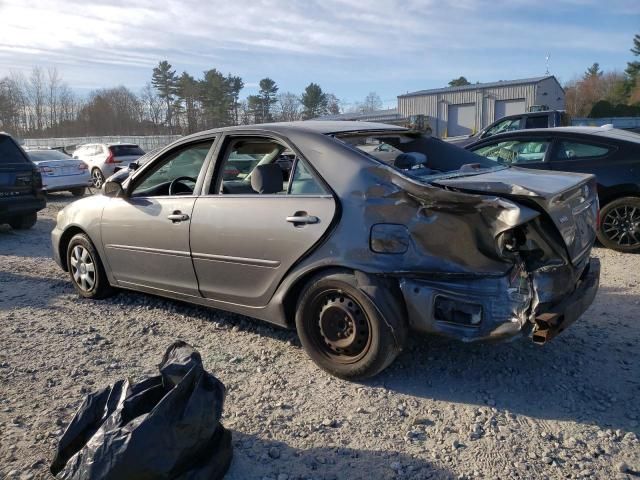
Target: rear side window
303,181
10,152
515,151
540,121
124,150
578,150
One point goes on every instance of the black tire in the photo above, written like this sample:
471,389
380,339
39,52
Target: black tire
24,222
78,192
89,282
357,342
620,225
97,177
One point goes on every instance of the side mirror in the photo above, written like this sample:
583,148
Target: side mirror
133,166
113,189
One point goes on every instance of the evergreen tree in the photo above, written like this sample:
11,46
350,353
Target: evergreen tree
314,101
459,82
593,71
165,81
268,92
632,72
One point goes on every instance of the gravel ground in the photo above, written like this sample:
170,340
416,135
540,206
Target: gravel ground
570,409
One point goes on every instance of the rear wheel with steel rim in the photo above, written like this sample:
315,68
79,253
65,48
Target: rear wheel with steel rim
620,225
97,177
342,330
85,268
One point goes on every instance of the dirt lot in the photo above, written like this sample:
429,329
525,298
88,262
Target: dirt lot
570,409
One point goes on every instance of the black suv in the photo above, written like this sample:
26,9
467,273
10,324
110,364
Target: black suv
21,195
612,155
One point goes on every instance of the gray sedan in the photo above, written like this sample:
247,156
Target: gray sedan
353,249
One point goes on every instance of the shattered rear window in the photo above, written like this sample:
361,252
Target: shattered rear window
418,155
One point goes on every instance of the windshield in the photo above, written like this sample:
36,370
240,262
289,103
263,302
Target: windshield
43,155
416,154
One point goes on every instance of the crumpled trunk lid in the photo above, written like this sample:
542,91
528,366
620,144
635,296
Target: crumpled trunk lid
569,199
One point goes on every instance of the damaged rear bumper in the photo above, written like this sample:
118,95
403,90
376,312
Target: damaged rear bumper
493,308
557,318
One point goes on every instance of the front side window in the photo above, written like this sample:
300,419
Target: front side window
515,151
176,174
505,126
577,150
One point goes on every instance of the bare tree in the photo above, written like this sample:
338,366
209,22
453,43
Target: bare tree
152,105
288,107
36,95
53,96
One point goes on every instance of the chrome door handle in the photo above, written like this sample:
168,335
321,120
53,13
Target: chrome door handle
176,217
302,219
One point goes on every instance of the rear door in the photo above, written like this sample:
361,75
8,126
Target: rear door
244,242
16,170
584,155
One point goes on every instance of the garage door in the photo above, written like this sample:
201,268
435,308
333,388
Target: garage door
509,107
462,119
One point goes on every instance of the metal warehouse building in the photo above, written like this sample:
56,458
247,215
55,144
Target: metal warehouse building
464,110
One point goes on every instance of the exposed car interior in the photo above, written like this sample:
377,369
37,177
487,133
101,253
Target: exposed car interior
417,155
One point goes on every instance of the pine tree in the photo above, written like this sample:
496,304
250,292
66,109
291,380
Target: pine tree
165,81
593,71
314,101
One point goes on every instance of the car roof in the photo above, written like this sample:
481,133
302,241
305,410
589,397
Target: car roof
603,132
324,127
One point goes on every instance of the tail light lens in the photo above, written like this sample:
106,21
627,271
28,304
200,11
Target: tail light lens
36,179
45,170
110,158
82,166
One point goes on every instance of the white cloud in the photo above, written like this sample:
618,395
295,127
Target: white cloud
388,40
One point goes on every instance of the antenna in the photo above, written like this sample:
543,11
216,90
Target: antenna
547,63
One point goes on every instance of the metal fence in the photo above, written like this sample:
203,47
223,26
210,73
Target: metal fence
617,122
146,142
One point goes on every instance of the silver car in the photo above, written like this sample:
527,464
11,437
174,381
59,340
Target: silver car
352,250
103,159
60,172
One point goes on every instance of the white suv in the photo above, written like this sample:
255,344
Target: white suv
104,158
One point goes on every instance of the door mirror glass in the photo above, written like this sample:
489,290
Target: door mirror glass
112,188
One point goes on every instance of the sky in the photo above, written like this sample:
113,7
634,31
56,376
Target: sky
348,47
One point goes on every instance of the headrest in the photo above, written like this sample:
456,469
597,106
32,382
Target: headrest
267,178
406,161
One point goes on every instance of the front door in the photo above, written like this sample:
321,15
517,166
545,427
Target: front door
146,234
256,222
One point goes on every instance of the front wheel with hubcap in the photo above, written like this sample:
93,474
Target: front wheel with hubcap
342,330
620,225
97,177
86,270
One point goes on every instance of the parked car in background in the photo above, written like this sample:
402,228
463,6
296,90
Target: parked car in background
21,195
612,155
60,171
523,121
104,158
352,250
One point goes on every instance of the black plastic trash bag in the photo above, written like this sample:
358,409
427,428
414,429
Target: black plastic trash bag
166,427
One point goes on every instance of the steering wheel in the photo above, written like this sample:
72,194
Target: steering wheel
173,184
